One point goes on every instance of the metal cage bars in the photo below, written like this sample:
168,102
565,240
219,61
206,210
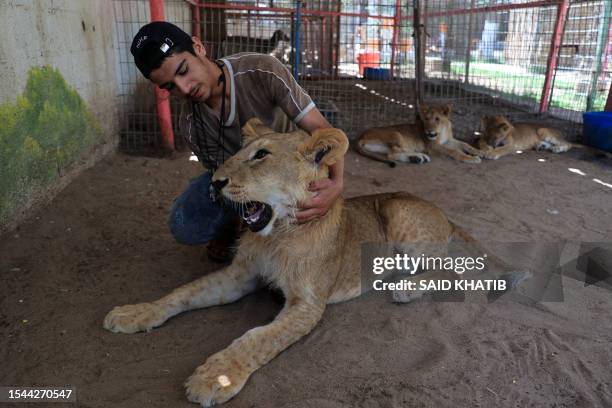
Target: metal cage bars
513,54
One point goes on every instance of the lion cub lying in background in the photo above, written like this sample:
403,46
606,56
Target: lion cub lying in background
500,137
412,143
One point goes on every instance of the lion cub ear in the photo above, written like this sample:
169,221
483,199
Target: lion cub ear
445,110
484,122
253,129
325,146
423,110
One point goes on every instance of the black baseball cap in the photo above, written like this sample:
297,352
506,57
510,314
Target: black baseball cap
154,42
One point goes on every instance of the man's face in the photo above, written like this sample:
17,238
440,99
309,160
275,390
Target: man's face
186,75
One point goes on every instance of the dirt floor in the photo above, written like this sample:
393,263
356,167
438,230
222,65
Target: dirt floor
104,242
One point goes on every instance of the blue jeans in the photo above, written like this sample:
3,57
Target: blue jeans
194,218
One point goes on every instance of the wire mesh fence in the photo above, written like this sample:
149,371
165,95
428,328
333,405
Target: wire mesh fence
139,129
584,73
358,61
499,52
502,52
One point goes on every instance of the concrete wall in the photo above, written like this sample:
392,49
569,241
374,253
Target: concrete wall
57,97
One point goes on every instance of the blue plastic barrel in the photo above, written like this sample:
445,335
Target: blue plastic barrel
377,74
597,130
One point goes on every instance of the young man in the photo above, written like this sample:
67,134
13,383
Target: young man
225,94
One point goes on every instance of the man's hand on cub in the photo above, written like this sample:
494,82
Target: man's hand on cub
326,191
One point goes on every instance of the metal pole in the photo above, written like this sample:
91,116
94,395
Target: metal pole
602,45
338,35
468,56
607,51
332,45
419,52
195,21
396,26
553,55
162,96
296,41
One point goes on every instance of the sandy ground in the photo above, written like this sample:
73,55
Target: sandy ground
103,242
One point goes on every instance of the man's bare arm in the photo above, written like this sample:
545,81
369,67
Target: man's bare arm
313,120
327,191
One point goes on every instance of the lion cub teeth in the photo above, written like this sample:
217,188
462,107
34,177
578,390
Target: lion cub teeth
253,213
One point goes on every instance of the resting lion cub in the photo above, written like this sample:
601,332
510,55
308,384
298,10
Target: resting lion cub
314,264
500,137
432,132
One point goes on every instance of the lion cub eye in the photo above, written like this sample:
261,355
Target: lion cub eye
260,154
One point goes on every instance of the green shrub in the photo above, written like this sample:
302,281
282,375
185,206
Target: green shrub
44,131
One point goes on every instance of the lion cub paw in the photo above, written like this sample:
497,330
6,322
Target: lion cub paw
560,148
134,318
406,296
472,159
491,156
215,382
419,158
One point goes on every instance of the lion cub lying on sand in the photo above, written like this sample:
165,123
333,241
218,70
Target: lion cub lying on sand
314,264
411,143
500,137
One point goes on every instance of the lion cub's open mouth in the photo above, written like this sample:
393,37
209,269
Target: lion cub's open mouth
257,215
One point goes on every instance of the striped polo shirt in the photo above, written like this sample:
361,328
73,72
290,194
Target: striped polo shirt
260,86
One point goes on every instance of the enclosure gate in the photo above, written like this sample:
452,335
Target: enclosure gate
358,58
